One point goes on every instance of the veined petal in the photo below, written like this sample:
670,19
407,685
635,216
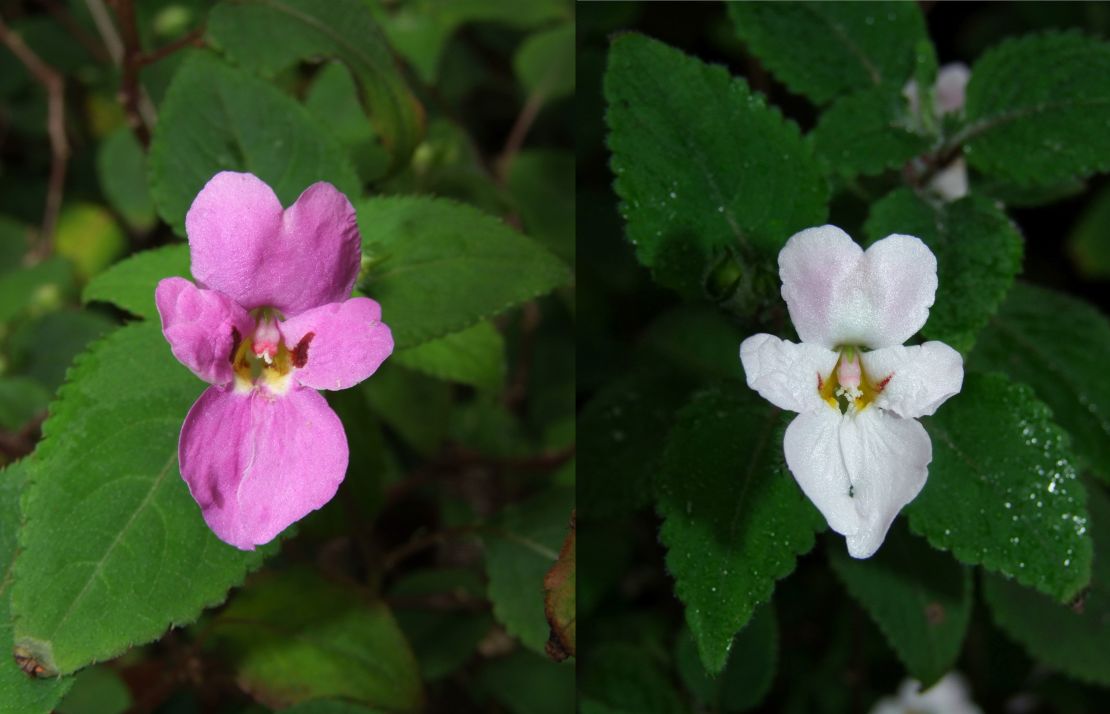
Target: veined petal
338,345
887,459
786,374
815,265
915,380
201,327
812,449
243,244
255,463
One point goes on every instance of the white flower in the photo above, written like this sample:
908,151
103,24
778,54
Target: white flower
951,181
948,696
855,447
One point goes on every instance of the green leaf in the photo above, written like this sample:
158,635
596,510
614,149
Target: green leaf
14,242
1069,638
21,398
121,170
521,545
705,168
978,252
746,678
524,683
130,283
134,556
1036,109
866,133
97,690
438,266
268,36
545,62
219,118
698,339
328,706
1056,344
19,694
559,600
1002,490
293,636
619,441
541,183
474,356
44,348
733,519
1087,242
414,406
89,237
333,100
825,49
919,597
628,679
37,287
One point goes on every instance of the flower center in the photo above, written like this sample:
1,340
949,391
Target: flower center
262,359
848,388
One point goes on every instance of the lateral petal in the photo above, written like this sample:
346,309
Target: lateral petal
812,449
887,459
201,327
338,345
256,464
915,380
786,374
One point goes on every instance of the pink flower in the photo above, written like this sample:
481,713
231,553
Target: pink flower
856,448
269,322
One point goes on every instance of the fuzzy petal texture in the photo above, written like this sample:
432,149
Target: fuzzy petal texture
257,463
837,294
200,326
887,459
243,244
339,345
918,378
786,374
812,449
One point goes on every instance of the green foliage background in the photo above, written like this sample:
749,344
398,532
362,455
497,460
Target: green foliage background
423,585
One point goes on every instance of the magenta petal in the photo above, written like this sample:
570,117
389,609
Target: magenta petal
256,463
200,326
338,345
244,245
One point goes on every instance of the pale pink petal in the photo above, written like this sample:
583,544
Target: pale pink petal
785,374
951,87
338,345
203,327
244,245
256,463
914,380
812,449
887,460
887,298
950,183
816,266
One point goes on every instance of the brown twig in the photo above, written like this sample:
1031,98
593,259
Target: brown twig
130,91
194,38
52,81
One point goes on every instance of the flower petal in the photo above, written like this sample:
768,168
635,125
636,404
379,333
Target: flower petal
338,345
201,327
887,459
916,380
243,244
814,265
952,82
896,283
255,463
785,374
812,449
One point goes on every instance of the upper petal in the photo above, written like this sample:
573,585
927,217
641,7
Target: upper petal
812,449
814,266
202,326
952,82
243,244
785,374
338,345
887,459
915,380
256,464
